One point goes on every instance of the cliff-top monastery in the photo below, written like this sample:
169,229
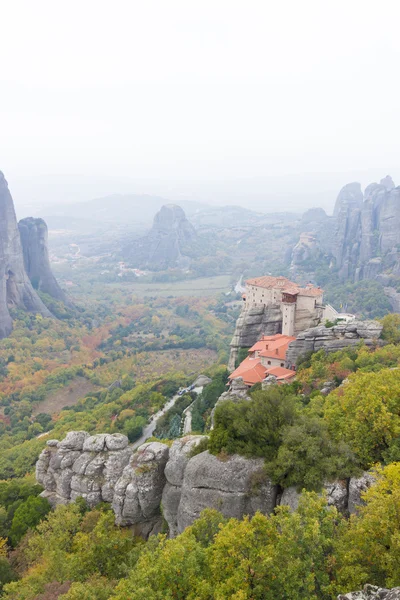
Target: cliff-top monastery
301,307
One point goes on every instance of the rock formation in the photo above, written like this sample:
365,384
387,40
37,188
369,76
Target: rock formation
361,240
33,234
253,323
237,391
15,287
156,483
167,242
345,495
332,339
372,592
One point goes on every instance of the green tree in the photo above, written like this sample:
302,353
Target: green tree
27,516
253,428
365,413
308,456
369,548
391,328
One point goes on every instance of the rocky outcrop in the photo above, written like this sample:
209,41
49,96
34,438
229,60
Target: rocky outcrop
15,287
82,465
345,495
251,324
167,242
138,491
361,240
201,381
154,483
34,235
237,391
235,487
372,592
332,339
179,456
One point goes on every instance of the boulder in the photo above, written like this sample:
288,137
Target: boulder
237,391
179,456
372,592
138,492
202,381
357,486
116,441
235,487
336,495
74,440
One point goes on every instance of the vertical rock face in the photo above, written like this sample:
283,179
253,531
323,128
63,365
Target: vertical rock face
166,243
332,339
33,234
157,485
348,233
15,287
251,324
362,239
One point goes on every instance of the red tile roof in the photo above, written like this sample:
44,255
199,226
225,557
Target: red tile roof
251,370
285,285
273,346
281,373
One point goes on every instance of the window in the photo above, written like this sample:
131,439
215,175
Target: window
269,362
282,364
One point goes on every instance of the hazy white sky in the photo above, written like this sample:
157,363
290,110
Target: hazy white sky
198,89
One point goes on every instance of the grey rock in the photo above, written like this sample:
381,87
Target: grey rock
167,242
202,381
138,492
52,442
95,443
63,483
179,456
34,242
80,465
68,459
116,441
235,487
357,486
170,501
237,391
15,287
372,592
251,324
74,440
332,339
336,495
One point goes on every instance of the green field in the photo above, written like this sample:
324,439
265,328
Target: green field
203,286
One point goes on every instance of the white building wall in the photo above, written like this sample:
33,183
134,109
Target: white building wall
271,362
288,318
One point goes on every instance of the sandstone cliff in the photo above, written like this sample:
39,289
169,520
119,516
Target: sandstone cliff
33,234
15,287
166,243
252,323
156,482
332,339
361,240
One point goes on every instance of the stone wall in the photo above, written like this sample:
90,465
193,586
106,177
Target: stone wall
157,483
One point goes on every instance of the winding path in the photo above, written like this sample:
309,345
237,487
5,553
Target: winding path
149,429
